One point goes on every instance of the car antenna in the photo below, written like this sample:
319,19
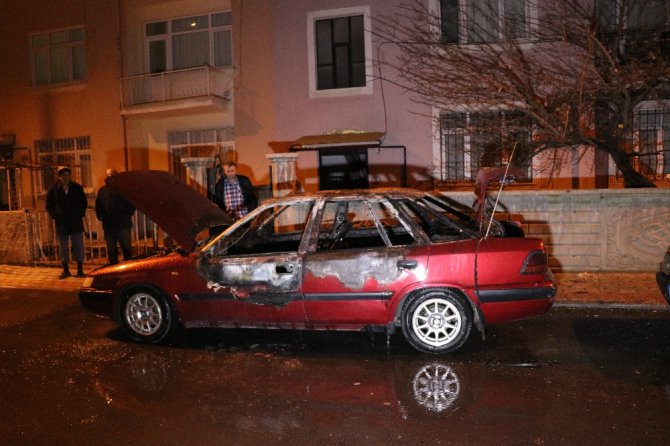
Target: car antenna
502,184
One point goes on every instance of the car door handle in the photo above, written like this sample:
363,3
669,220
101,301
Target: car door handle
286,268
407,264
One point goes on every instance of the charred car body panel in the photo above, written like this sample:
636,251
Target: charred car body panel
354,260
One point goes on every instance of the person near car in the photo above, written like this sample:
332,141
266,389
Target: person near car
66,203
234,193
116,215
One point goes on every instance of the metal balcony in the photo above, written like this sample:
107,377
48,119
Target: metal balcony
204,86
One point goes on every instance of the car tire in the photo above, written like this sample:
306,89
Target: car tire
146,316
436,321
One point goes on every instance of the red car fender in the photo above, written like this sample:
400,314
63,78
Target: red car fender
398,302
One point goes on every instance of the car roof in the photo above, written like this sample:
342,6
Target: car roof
378,193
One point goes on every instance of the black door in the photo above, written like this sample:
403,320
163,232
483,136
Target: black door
346,169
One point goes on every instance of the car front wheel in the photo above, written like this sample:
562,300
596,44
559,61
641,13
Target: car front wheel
146,316
436,322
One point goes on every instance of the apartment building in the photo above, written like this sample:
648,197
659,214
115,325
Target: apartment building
179,85
59,94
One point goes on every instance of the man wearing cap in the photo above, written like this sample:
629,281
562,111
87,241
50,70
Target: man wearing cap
116,215
66,203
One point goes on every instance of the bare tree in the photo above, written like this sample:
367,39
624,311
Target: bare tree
574,69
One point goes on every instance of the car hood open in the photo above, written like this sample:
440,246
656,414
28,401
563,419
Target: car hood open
176,208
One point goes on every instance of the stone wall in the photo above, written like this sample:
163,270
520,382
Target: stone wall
584,230
15,247
592,230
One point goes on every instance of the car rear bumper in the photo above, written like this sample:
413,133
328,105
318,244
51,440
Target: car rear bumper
97,301
503,305
663,281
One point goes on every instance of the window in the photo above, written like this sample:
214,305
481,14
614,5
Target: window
653,142
200,143
348,224
270,229
439,220
339,52
74,152
189,42
58,57
479,21
470,141
638,14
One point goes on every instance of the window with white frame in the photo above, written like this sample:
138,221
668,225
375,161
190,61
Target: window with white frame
636,15
74,152
339,46
480,21
471,141
58,57
189,42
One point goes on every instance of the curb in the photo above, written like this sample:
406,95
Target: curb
612,305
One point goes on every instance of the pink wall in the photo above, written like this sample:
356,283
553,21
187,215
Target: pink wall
405,123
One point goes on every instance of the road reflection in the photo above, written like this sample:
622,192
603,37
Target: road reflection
436,386
311,384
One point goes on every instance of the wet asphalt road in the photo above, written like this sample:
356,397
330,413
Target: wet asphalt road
572,377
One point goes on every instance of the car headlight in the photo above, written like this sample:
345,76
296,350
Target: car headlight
88,281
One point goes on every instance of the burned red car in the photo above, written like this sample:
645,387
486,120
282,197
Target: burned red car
365,260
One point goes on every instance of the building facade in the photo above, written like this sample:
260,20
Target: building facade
59,95
178,85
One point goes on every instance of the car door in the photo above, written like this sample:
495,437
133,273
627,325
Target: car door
363,257
254,271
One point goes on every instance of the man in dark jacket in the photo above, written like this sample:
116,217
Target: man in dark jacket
116,215
66,203
234,193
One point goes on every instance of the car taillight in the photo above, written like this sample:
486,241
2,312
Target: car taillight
535,263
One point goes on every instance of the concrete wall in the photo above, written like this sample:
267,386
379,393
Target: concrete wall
592,230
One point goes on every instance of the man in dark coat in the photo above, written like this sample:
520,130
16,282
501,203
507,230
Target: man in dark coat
116,215
66,203
234,193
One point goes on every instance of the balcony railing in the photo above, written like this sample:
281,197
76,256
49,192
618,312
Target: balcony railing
175,85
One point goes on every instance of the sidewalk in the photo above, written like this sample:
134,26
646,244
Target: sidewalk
573,288
37,278
609,288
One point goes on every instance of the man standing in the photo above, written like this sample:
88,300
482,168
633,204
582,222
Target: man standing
116,215
66,203
234,193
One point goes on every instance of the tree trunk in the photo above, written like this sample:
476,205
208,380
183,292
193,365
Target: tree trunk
631,178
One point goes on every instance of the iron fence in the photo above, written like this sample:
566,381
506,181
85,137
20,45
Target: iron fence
145,238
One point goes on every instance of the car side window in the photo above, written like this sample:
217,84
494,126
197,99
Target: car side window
276,228
360,224
438,225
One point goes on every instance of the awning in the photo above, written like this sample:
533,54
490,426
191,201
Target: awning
333,140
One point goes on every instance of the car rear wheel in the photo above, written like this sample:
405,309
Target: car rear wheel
146,316
436,322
